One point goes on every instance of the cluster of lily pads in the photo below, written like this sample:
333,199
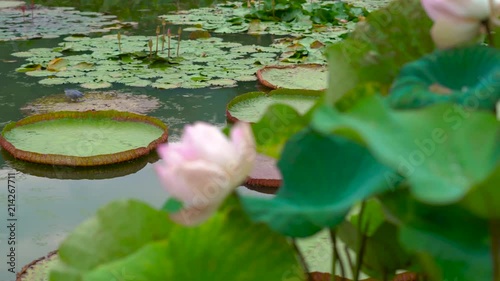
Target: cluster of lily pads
309,32
36,21
98,62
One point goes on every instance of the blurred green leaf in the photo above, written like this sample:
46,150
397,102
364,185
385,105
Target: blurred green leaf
318,192
436,148
452,243
379,46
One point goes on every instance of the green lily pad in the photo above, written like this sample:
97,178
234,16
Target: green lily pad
83,138
250,107
96,85
38,270
96,63
302,76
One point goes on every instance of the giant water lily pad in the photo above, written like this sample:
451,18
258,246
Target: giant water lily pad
264,174
40,22
109,100
38,270
87,138
302,76
98,62
250,107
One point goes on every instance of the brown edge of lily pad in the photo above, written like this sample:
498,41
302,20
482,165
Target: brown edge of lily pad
290,92
319,276
268,84
25,268
103,159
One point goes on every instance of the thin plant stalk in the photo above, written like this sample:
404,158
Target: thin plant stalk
362,243
157,38
302,260
150,45
169,36
336,256
119,37
163,24
179,40
349,259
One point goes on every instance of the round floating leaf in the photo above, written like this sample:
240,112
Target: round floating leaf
250,107
344,174
38,270
466,76
302,76
96,85
83,138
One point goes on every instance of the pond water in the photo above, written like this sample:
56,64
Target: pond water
52,201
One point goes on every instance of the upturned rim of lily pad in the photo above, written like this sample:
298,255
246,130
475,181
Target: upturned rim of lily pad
95,160
250,95
32,265
265,173
260,73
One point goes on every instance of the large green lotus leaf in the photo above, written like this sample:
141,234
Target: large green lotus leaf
484,198
383,255
116,231
436,148
216,249
344,174
467,76
378,47
451,243
279,122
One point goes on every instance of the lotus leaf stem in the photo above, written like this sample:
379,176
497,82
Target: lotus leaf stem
336,256
362,242
302,260
349,259
163,24
119,37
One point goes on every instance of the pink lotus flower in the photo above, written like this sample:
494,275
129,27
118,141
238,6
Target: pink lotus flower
458,21
204,167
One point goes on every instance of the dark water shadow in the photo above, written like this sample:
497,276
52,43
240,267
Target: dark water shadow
69,172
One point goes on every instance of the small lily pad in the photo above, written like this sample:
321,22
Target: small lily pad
303,76
251,106
97,85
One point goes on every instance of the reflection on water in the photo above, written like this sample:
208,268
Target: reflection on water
54,201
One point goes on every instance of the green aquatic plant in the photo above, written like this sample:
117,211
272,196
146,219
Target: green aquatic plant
98,62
